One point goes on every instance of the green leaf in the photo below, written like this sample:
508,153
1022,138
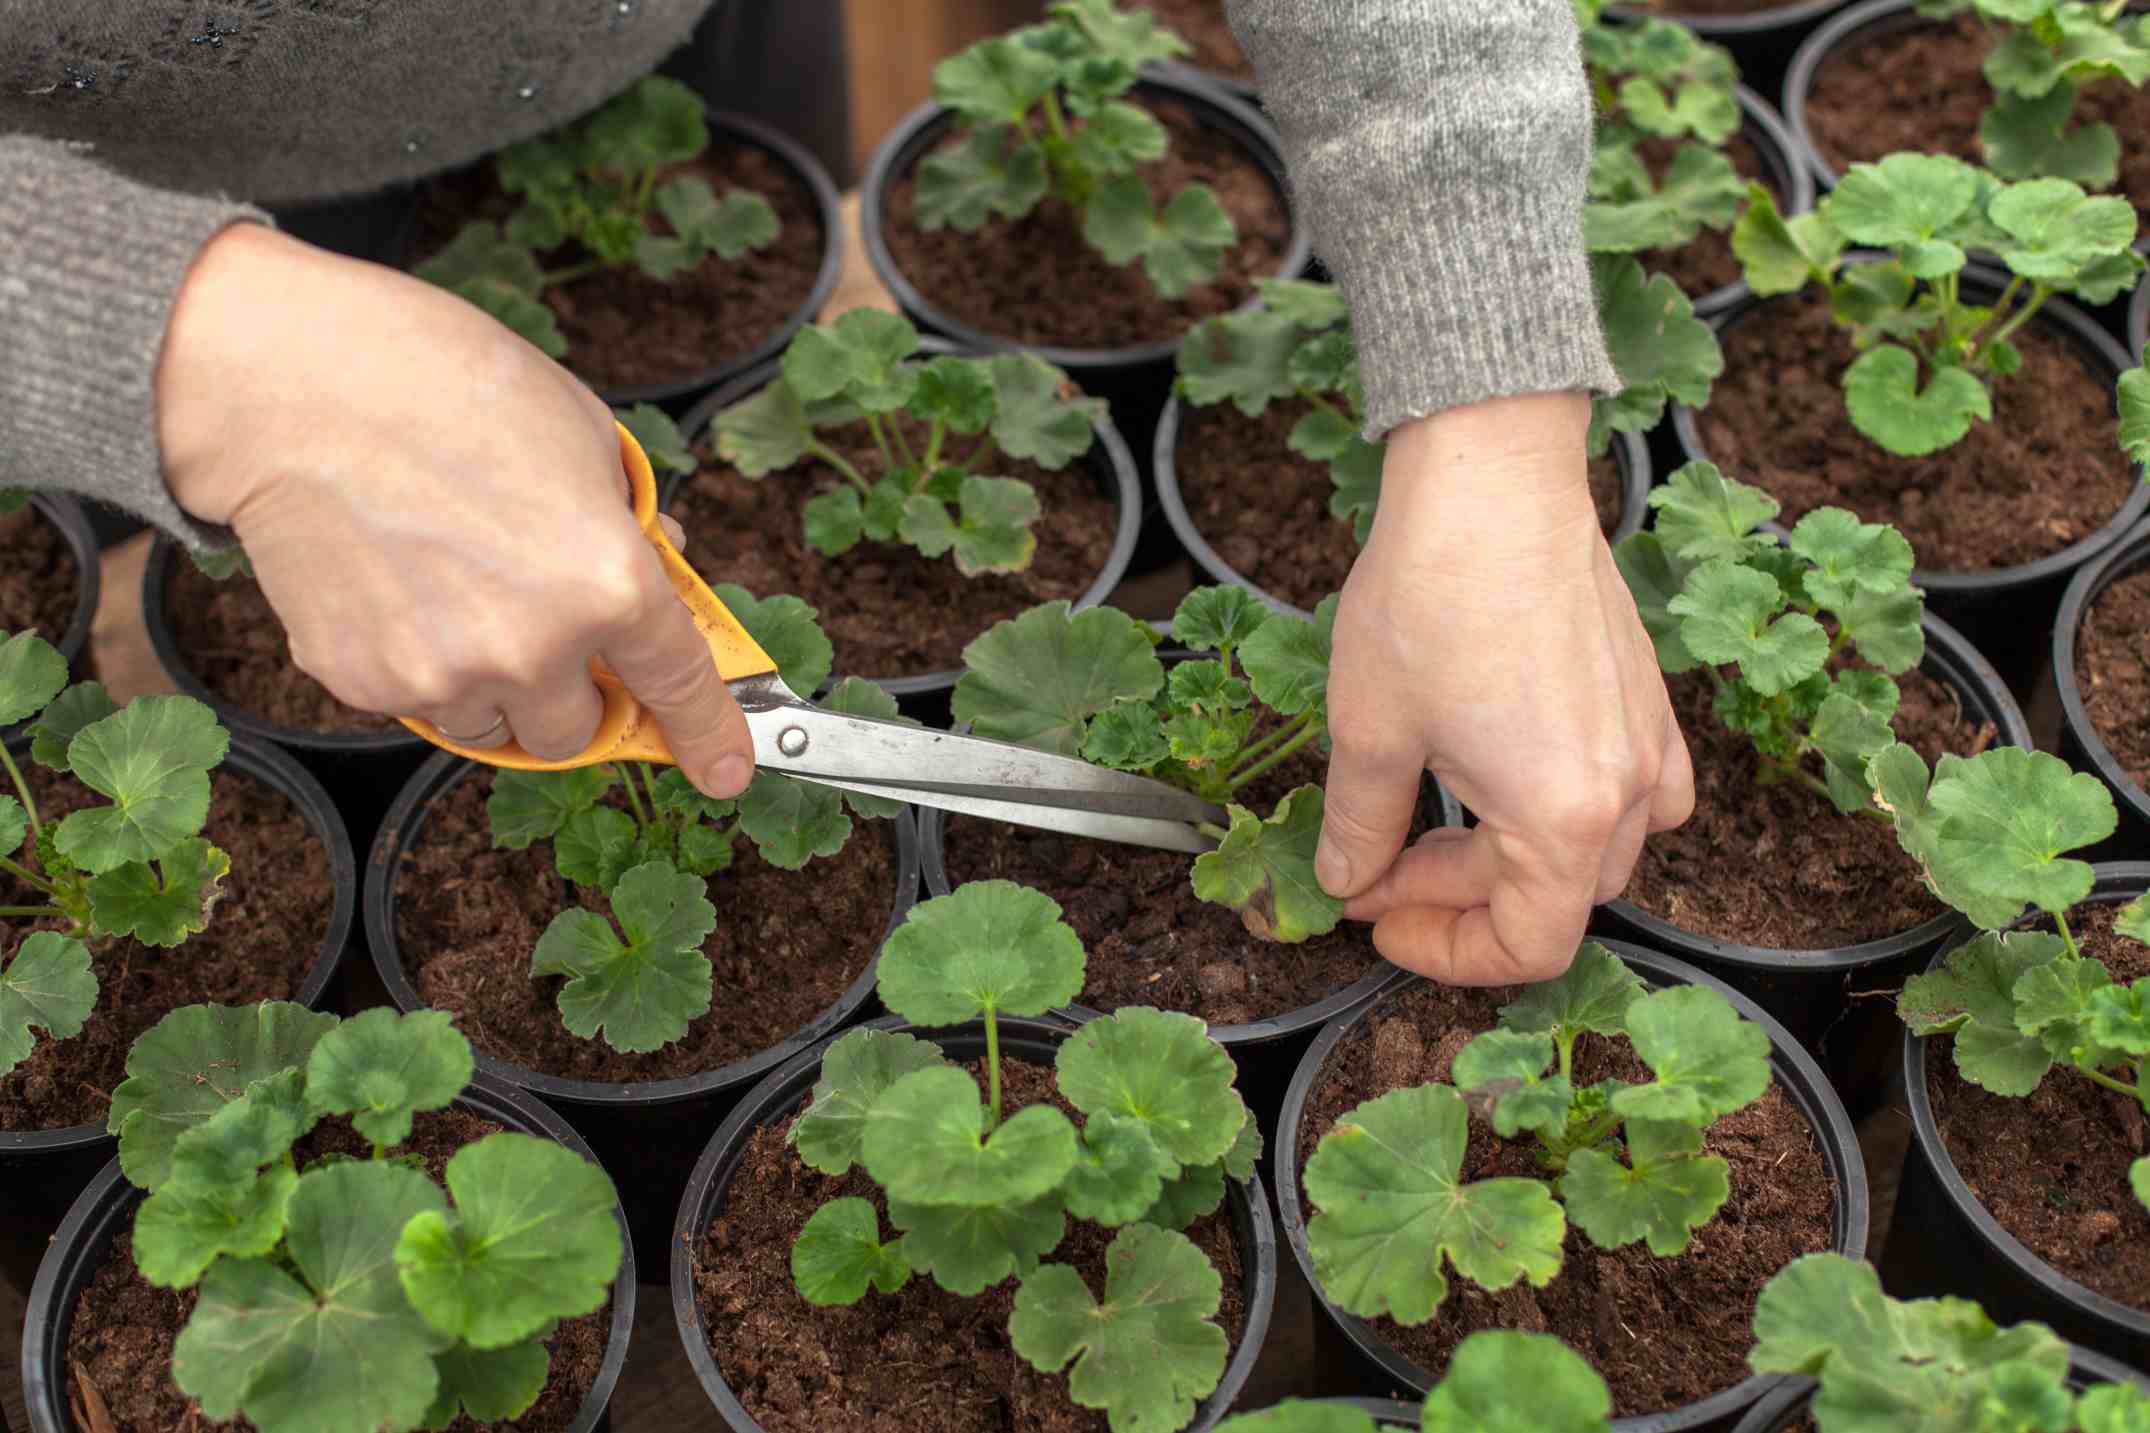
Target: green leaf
657,122
855,696
641,994
381,1068
14,825
1972,996
1702,514
1910,203
1848,736
791,822
479,256
2134,393
152,760
528,806
993,532
180,1232
861,356
855,1072
1179,248
1708,1059
730,227
1119,1172
1505,1073
1117,138
32,673
1780,256
77,707
659,436
1162,1070
1662,352
1484,1388
520,314
1036,417
1220,619
1592,995
1882,394
1670,1190
765,433
1708,112
954,391
967,1249
2070,42
839,1253
994,82
1392,1207
1356,474
2003,820
2057,230
1287,660
1701,190
1654,577
1196,1193
2119,1018
1128,737
48,986
926,1142
1850,555
224,1152
160,905
2029,137
2134,920
1265,871
1886,628
2053,1002
596,846
533,1239
1726,615
990,947
1038,678
1148,1350
2118,1407
990,171
784,627
1130,37
1243,356
2139,1180
191,1064
489,1384
1298,1415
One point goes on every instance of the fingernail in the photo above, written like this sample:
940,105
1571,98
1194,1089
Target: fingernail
731,777
1332,868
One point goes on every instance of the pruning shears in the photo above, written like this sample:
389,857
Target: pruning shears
968,774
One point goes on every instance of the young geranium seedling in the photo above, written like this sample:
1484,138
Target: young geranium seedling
1498,1381
136,867
1716,592
980,1196
1625,1160
930,492
594,185
1991,833
1929,357
1048,116
1922,1365
346,1295
651,856
1089,684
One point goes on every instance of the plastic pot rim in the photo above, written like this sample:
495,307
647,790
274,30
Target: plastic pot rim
1758,22
66,515
1241,90
496,1099
2092,341
2112,877
1256,1231
916,133
2139,322
439,775
1811,1092
1109,458
2084,589
278,770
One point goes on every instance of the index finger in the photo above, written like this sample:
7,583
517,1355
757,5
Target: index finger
666,663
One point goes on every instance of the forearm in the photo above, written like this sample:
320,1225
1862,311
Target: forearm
1439,150
91,266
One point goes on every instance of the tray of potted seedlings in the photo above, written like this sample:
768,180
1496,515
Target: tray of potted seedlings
654,247
1980,405
630,950
912,492
1244,936
324,1226
1498,1379
147,861
1620,1157
1039,1273
49,572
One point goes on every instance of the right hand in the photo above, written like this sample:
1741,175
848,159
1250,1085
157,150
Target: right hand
435,509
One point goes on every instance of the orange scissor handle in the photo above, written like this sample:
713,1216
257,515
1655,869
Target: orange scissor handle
627,732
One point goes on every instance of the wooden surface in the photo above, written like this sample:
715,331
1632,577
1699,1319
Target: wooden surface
894,45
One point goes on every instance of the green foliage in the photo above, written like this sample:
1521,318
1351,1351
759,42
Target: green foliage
1715,591
1662,352
591,189
643,992
1040,678
992,947
661,440
1265,871
1498,1381
1930,357
381,1069
855,1072
918,490
839,1253
1047,116
48,986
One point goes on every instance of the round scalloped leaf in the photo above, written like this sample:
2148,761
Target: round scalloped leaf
1119,1171
1850,555
1298,1415
2004,819
161,905
32,673
839,1254
48,986
2118,1018
180,1232
855,1072
996,81
1039,416
1265,871
1287,660
791,822
1037,679
1904,200
968,1249
527,806
1728,613
1668,1189
1479,1392
1702,514
784,627
489,1384
381,1068
1503,1073
74,709
926,1143
1244,356
1217,619
1881,391
1197,1192
1709,1060
641,994
1593,994
152,761
990,946
1161,1068
2057,230
227,1150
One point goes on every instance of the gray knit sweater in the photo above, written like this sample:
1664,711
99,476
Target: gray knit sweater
1437,147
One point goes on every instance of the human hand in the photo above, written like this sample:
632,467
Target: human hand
1485,635
435,509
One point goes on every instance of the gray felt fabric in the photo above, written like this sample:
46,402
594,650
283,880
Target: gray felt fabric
1438,147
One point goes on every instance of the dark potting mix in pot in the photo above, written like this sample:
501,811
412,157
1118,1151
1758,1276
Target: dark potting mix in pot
1211,46
40,580
2112,667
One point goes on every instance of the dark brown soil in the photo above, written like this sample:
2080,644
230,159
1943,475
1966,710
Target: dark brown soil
1707,263
787,943
1036,279
1662,1332
39,585
2112,670
624,328
891,611
124,1327
1286,543
266,930
892,1363
231,638
1201,23
1923,88
2046,472
1778,866
1151,942
2053,1168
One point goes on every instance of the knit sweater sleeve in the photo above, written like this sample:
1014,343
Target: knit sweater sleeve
1439,150
90,266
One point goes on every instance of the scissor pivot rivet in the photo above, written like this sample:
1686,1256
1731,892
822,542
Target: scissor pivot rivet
792,741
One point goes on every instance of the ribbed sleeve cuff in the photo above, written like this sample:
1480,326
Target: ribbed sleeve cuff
1439,151
92,266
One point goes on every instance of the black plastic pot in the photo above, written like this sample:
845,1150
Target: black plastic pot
2080,742
71,520
107,1208
1135,381
1762,41
924,695
1782,1409
1385,1370
1629,451
2008,612
787,1090
1949,1244
2139,324
361,770
646,1134
43,1170
1241,90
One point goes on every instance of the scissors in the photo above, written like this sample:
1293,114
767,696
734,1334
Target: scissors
968,774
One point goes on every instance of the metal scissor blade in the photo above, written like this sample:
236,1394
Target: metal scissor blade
1127,830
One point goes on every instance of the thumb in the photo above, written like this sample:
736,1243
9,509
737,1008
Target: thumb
667,665
1371,796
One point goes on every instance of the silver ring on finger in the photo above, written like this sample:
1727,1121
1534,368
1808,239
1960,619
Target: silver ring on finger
499,721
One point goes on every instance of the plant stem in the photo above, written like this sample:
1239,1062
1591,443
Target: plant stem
25,874
1326,406
837,461
1566,1042
2067,937
634,797
880,439
31,912
933,446
903,444
1212,830
1055,119
1792,771
1248,753
1305,735
2039,294
644,188
2133,1092
22,789
992,1070
571,273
